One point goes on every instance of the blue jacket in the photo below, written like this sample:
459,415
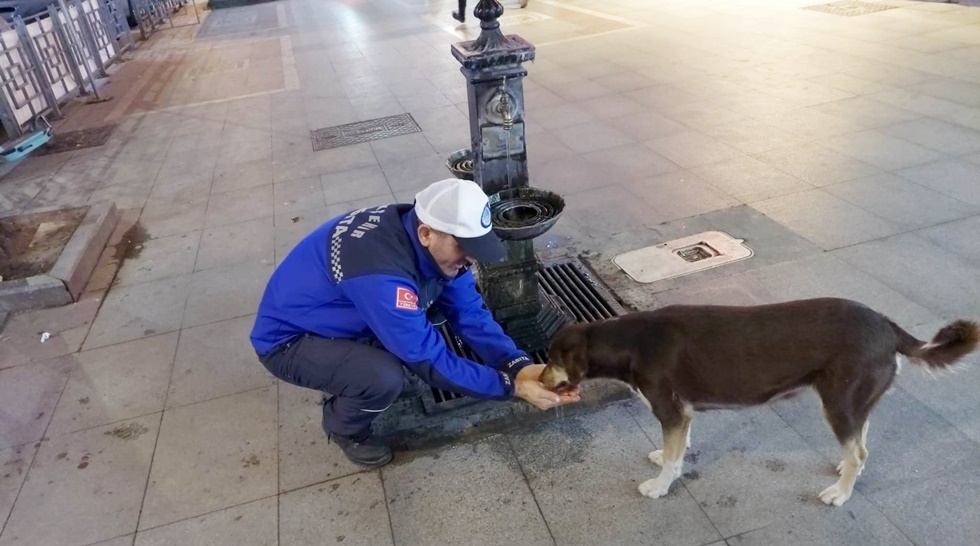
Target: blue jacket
364,276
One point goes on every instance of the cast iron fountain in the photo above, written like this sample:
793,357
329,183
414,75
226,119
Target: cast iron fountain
497,160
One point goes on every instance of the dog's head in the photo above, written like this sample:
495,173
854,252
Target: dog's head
568,360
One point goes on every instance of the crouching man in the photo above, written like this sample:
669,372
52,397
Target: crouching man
347,309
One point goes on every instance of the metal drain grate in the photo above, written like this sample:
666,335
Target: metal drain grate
849,8
571,286
364,131
76,140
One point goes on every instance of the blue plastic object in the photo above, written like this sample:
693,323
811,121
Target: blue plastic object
25,144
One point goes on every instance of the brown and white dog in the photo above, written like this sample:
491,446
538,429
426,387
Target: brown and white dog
686,358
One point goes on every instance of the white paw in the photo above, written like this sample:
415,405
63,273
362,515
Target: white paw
834,495
654,488
657,457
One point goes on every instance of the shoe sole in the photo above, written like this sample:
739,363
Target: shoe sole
374,464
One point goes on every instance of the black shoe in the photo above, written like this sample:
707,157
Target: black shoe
461,17
366,450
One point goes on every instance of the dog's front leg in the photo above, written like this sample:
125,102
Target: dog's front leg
672,458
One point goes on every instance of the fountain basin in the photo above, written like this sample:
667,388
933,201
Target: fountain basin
460,163
519,214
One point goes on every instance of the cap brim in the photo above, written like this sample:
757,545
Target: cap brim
484,249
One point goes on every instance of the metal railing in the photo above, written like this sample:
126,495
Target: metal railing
49,58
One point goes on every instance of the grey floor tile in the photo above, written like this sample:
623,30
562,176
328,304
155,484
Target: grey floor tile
85,487
936,135
880,150
751,136
430,500
215,360
901,202
750,180
577,464
868,112
141,310
632,161
297,195
161,219
14,462
20,339
240,176
733,453
115,383
28,396
415,173
958,237
244,242
907,443
211,456
816,165
592,136
963,92
809,124
924,273
354,185
568,175
612,106
952,500
648,125
692,149
825,275
306,456
176,188
125,540
350,510
327,161
250,524
679,195
953,177
225,292
607,210
291,229
916,101
826,220
159,258
239,205
400,148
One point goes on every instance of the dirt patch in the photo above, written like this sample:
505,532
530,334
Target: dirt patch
129,431
30,244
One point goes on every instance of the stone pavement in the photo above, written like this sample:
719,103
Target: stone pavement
845,150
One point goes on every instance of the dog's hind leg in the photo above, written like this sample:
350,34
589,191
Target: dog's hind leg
847,405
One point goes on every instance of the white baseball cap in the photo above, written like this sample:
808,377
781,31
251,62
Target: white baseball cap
460,208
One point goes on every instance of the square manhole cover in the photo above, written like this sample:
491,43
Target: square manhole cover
364,131
849,8
76,140
682,256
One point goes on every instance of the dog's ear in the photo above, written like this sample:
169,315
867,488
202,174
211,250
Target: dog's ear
569,350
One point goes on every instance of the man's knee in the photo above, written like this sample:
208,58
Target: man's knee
388,383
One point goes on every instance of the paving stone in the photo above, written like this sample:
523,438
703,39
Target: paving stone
115,383
749,180
937,135
241,176
28,396
306,456
577,464
679,195
140,310
430,498
630,162
14,462
239,205
254,523
225,292
216,360
85,487
350,510
159,258
161,219
607,210
354,185
957,237
245,242
212,455
825,219
20,337
592,136
953,177
692,149
880,150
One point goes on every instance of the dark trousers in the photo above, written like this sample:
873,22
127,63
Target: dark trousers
364,380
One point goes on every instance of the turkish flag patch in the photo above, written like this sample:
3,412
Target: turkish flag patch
406,299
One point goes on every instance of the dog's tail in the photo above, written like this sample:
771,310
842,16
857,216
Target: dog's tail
951,343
